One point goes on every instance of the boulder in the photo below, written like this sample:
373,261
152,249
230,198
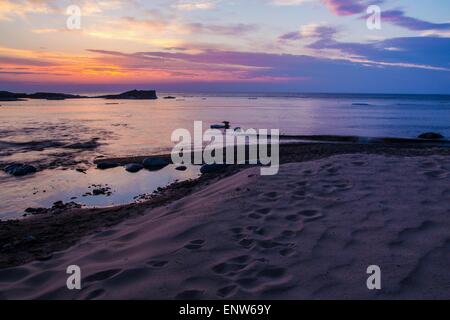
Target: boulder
225,125
58,205
217,126
36,211
431,136
106,165
209,168
155,163
20,169
134,167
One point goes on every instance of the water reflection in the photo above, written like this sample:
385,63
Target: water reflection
49,186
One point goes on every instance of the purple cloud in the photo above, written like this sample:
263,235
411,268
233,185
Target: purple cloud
399,18
310,31
229,30
349,7
425,51
295,35
25,62
302,72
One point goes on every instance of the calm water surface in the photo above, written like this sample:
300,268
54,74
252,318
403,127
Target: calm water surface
35,132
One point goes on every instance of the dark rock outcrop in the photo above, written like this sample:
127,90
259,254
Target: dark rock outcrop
133,95
129,95
107,165
155,163
225,125
36,211
431,136
134,167
11,96
19,169
53,96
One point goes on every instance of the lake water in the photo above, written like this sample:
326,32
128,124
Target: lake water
36,132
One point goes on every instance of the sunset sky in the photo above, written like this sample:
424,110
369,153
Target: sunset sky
225,45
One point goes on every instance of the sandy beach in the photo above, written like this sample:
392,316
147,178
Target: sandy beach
220,159
309,232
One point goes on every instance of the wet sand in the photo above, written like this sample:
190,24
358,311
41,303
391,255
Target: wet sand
308,233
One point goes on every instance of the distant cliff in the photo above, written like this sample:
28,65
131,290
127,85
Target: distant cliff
11,96
129,95
133,95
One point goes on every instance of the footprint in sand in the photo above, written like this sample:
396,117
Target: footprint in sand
247,283
272,273
268,244
232,265
246,243
260,231
293,217
263,211
304,215
102,275
427,164
157,263
438,174
288,233
325,166
287,252
310,215
333,171
95,294
300,193
236,230
270,196
238,233
226,292
343,185
254,216
195,244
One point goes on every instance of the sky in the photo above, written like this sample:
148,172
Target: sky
225,45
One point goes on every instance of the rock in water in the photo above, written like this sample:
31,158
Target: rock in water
106,165
225,125
20,169
217,126
134,167
155,163
208,168
431,136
